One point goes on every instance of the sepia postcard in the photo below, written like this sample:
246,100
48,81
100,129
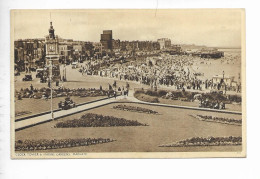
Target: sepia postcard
137,83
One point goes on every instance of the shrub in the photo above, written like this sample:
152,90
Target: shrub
134,109
177,94
149,99
154,100
139,91
162,93
214,96
235,98
151,93
96,120
146,98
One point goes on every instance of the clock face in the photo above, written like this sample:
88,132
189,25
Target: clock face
51,48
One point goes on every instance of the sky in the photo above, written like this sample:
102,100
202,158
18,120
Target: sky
210,27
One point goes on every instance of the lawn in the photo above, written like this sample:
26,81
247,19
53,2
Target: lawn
170,126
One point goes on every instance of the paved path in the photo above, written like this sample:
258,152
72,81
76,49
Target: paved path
132,99
183,107
22,124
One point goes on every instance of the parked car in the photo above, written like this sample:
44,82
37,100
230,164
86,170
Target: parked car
67,104
43,79
27,78
39,72
75,65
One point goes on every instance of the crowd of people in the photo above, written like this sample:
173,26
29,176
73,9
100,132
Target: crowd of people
45,93
220,119
114,90
206,100
166,70
97,120
44,144
170,71
134,109
213,104
208,141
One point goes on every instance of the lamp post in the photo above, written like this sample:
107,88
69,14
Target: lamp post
224,81
65,72
50,78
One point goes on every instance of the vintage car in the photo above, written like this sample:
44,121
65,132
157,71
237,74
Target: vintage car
80,70
39,72
74,65
43,79
67,104
27,78
110,93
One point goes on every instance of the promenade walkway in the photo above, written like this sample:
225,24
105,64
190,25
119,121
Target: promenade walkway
38,119
42,118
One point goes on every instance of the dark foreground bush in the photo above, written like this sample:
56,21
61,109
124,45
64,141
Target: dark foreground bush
152,96
95,120
222,97
235,98
214,96
151,93
43,144
146,98
139,91
162,93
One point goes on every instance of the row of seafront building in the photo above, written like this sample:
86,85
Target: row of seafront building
30,53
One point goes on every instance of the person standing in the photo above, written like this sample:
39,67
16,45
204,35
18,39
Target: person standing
114,85
109,87
31,87
123,91
115,94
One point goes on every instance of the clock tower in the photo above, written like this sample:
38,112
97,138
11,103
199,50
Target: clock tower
52,53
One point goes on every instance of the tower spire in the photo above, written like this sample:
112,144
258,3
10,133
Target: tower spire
51,30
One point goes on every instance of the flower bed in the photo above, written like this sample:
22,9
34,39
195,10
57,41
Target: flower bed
209,141
219,120
59,92
146,98
95,120
187,96
134,109
29,145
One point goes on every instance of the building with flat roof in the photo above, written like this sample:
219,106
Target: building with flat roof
164,43
106,39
